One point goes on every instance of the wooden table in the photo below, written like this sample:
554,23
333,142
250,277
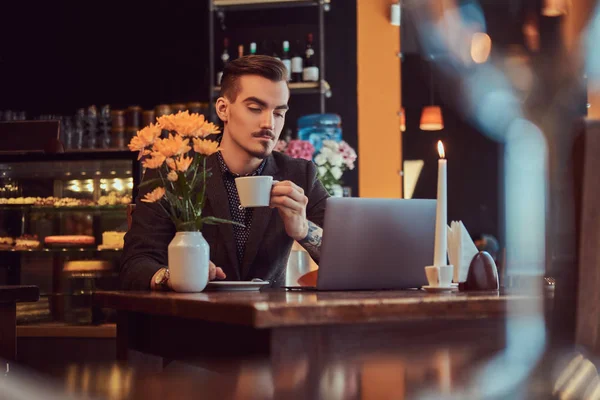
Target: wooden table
9,297
275,324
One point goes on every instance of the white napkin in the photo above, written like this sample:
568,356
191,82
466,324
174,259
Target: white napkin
461,250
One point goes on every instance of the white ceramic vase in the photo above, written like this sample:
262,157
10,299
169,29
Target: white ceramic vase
189,257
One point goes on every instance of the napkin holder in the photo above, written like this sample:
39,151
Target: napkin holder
482,274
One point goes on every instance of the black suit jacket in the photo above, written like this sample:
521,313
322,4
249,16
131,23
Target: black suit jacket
267,249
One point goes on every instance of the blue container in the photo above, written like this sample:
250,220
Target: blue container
318,127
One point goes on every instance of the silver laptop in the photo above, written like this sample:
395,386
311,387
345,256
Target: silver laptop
376,243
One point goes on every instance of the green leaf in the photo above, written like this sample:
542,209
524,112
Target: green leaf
201,196
215,220
181,183
176,222
189,226
175,203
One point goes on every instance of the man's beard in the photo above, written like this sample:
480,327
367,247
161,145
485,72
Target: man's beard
260,154
268,149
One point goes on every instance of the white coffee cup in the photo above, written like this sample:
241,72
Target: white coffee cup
254,191
433,275
446,274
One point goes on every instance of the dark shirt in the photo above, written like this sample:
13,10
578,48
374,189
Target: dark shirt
267,247
238,213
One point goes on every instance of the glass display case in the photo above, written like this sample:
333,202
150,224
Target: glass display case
62,221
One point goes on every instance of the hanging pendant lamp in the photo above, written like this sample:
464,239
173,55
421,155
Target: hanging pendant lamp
431,116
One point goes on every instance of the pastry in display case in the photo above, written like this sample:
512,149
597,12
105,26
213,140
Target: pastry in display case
61,241
27,242
112,240
63,217
6,243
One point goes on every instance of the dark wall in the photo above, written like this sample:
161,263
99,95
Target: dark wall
342,75
61,56
58,56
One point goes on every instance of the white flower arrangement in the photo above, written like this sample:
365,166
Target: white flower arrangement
332,160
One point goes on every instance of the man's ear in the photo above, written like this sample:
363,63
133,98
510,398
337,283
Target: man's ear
222,107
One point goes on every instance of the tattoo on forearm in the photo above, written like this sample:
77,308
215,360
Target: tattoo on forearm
312,241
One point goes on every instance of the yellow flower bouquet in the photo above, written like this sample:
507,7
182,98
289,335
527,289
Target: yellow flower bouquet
180,188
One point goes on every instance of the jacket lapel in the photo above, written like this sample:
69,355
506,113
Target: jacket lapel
219,203
260,220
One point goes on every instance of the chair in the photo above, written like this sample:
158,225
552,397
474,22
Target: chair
130,210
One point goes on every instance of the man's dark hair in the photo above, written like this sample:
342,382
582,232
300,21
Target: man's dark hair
265,66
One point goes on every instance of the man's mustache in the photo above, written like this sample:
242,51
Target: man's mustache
264,132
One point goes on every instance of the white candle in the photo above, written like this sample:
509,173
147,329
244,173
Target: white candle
441,215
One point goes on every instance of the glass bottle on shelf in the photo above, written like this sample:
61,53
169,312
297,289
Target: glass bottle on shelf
61,129
285,59
177,107
148,118
253,48
133,117
297,64
79,129
67,133
118,129
224,60
163,109
310,73
240,51
105,121
316,128
92,127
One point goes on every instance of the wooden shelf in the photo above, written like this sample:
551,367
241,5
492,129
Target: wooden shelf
300,87
19,294
71,155
261,4
61,330
93,249
53,209
257,2
95,151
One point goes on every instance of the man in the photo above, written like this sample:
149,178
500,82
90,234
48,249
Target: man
253,103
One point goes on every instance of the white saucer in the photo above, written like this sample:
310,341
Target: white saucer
236,285
439,289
